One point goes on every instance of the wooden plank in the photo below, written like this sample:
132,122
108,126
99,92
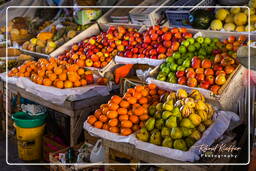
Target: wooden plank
148,157
39,100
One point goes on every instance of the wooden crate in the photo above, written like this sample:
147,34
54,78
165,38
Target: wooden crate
75,167
50,146
149,16
118,12
90,139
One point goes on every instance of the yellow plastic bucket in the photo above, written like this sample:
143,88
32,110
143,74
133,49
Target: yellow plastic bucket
29,142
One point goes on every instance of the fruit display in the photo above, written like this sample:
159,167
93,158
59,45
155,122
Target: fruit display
202,62
127,114
11,64
47,41
53,72
178,122
155,43
235,19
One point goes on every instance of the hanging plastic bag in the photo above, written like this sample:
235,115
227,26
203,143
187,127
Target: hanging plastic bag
97,154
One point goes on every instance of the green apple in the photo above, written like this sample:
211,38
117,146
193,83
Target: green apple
207,40
200,39
191,40
191,48
176,55
185,43
182,49
173,67
170,60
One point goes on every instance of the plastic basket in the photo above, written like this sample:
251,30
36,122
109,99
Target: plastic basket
180,15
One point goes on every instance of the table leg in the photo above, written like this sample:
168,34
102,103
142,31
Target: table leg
106,158
72,130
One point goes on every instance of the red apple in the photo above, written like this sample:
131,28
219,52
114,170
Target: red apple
167,36
161,49
182,80
210,79
227,61
135,50
208,71
200,77
196,62
220,73
206,63
154,36
217,67
161,56
229,69
199,70
190,74
167,43
205,84
192,82
147,39
189,69
215,89
180,73
153,52
220,79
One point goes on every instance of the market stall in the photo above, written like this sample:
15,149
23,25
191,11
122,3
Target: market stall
154,87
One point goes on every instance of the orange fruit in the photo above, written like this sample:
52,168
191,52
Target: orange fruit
124,104
139,88
98,124
130,90
113,122
126,124
47,82
74,56
125,131
116,99
52,60
132,100
59,84
91,119
41,73
39,80
21,74
98,113
83,82
114,129
27,74
105,110
129,112
160,92
57,70
144,117
152,86
105,127
127,95
146,105
144,92
80,71
143,100
152,92
123,117
49,67
80,63
112,114
138,111
113,106
14,70
122,111
52,76
103,118
63,76
68,84
77,83
22,68
134,119
47,73
137,95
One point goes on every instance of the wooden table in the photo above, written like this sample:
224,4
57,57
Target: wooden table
144,156
77,109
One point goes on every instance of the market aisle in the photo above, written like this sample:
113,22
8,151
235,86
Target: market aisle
13,157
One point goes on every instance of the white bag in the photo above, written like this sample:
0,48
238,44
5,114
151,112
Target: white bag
97,154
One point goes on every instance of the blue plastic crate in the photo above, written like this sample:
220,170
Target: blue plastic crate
180,15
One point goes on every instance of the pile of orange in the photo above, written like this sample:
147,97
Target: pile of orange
127,114
53,72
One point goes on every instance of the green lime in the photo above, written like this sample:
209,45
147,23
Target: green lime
182,49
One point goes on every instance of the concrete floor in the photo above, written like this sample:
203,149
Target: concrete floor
13,157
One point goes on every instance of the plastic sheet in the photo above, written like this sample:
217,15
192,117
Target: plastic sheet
52,94
151,62
222,121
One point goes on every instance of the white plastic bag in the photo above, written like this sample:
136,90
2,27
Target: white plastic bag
97,154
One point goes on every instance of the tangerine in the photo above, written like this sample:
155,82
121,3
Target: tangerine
98,113
59,84
98,124
105,127
77,83
139,88
112,114
91,119
57,70
68,84
116,99
80,71
126,124
125,131
114,129
113,122
143,100
144,117
123,117
103,118
62,76
47,82
134,119
52,76
124,104
152,86
132,100
122,111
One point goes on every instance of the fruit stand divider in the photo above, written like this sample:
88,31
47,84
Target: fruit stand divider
77,109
